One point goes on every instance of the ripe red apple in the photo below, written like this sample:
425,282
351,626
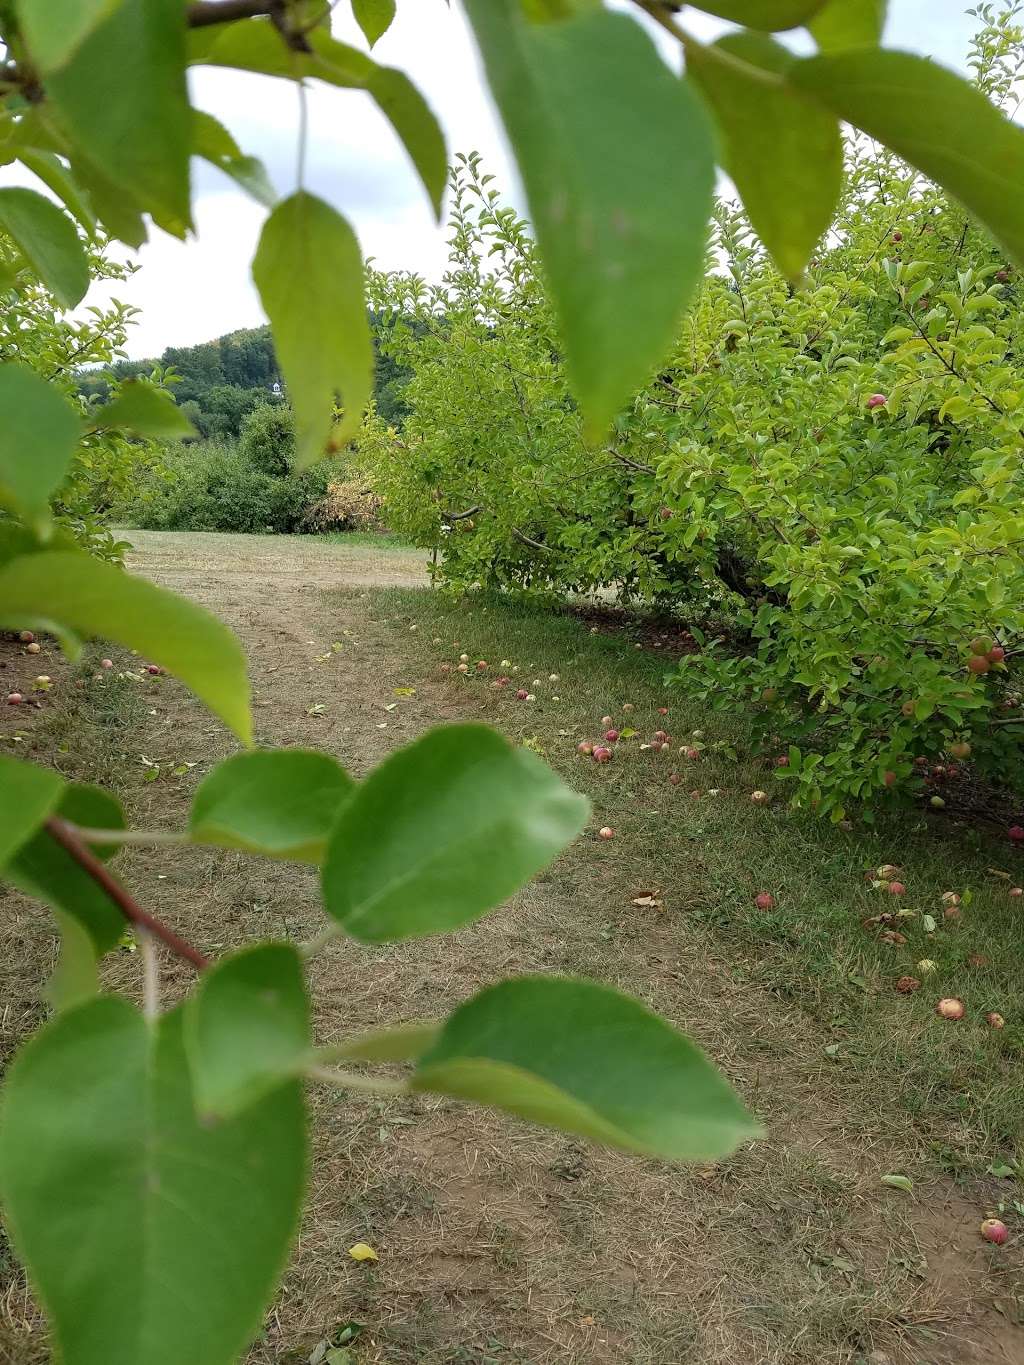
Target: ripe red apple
996,654
666,514
522,694
693,755
981,644
995,1020
585,748
611,736
994,1230
1001,276
1016,891
14,699
877,400
1016,834
950,1008
602,754
897,236
662,710
660,736
481,665
782,761
607,832
106,663
897,889
906,985
978,663
764,900
952,912
26,637
889,779
33,648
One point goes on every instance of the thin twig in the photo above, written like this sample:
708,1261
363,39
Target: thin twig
71,841
150,975
130,836
206,12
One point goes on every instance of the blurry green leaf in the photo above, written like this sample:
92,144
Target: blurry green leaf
148,411
781,148
140,139
374,17
75,978
53,173
309,272
47,238
849,23
771,15
898,1182
399,1043
212,141
616,155
54,28
28,794
443,831
119,213
150,1235
71,591
936,121
44,869
280,802
583,1058
255,45
247,1027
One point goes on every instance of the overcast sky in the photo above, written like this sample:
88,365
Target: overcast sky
199,289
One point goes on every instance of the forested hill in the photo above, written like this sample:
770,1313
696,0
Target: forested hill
222,380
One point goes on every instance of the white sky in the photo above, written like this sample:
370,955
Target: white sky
194,291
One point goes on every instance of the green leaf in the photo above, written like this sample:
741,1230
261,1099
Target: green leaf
442,831
849,23
309,272
117,210
141,139
782,149
39,431
53,29
28,794
617,158
581,1057
399,1043
43,868
70,591
75,978
148,411
53,173
255,45
150,1235
899,1182
47,238
280,802
770,15
934,120
247,1027
374,17
212,141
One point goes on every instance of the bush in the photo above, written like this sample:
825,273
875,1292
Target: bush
268,439
211,486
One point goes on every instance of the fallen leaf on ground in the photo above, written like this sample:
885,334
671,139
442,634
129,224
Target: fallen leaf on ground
898,1182
362,1251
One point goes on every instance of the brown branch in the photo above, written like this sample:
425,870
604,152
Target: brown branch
631,464
203,13
68,837
524,539
460,516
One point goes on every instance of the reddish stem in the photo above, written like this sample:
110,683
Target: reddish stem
67,836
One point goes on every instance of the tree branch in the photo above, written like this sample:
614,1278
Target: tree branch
203,13
69,838
460,516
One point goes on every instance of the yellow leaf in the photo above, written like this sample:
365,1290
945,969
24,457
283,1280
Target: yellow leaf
362,1251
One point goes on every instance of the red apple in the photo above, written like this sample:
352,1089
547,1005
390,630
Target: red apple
889,779
26,637
14,699
978,663
906,985
522,694
897,889
611,736
877,400
764,900
662,710
994,1230
950,1009
585,748
1016,834
996,654
995,1020
607,832
602,755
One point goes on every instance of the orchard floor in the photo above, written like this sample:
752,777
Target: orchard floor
500,1243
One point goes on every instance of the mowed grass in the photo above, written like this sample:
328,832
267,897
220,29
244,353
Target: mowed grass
708,856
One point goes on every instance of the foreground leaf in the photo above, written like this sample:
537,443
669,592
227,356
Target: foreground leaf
141,139
46,237
43,868
585,1059
70,591
55,175
849,23
309,272
247,1027
150,1236
399,1043
936,121
771,15
443,831
212,141
75,978
54,28
281,802
255,45
616,156
781,148
39,430
28,794
148,411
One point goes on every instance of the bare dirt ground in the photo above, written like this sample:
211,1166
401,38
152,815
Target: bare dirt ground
500,1243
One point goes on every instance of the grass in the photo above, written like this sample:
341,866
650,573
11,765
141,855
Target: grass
957,1083
371,540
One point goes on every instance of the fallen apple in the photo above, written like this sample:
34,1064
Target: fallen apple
759,798
585,748
602,754
995,1020
522,694
14,699
994,1230
606,832
26,637
611,736
33,648
950,1008
764,900
906,985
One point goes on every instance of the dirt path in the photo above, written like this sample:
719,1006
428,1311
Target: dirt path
499,1242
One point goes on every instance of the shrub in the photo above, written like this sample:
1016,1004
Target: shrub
268,439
